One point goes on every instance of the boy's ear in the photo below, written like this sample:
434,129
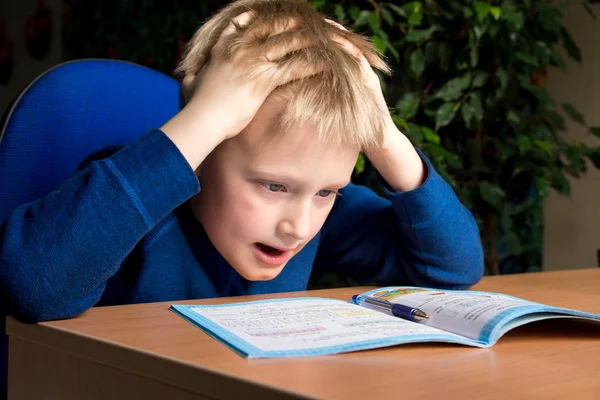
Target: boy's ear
187,87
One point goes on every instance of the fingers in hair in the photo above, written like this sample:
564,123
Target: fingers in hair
279,46
337,25
239,22
301,67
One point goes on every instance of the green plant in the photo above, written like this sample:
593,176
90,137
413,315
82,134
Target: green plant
468,89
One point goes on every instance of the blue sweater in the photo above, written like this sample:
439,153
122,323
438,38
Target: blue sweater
120,231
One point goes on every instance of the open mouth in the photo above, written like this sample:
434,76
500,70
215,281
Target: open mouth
271,251
270,255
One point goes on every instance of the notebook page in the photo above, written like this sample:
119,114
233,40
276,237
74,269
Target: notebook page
304,324
460,312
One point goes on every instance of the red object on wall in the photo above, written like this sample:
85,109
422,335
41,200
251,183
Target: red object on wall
38,32
6,54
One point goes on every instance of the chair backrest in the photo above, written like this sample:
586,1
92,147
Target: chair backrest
70,112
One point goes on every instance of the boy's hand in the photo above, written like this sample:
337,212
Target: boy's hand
220,102
396,160
370,78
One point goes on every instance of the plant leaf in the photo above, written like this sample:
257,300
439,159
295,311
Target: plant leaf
492,194
408,105
512,116
444,115
417,62
453,89
415,19
480,79
514,16
467,113
414,132
417,35
595,131
482,9
556,121
392,49
340,14
524,144
354,13
496,12
374,23
387,16
430,135
543,145
570,46
557,60
549,17
502,77
413,7
359,167
414,10
397,10
528,59
542,187
379,43
573,113
475,102
317,4
400,123
560,183
472,109
594,156
473,50
363,18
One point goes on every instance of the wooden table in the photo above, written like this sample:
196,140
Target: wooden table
147,352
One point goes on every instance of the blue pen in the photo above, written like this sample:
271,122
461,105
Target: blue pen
398,310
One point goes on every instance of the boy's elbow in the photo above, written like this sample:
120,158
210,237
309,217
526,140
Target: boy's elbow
21,296
467,261
28,315
472,275
29,304
459,272
469,268
32,299
33,312
25,305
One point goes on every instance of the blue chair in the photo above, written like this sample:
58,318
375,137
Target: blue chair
67,113
71,111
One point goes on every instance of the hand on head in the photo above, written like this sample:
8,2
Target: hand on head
223,83
237,59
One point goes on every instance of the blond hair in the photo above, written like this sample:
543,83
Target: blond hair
335,101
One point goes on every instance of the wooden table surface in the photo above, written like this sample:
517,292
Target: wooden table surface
542,360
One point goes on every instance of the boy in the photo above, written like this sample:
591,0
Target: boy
279,102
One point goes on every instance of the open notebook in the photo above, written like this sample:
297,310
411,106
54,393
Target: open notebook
319,326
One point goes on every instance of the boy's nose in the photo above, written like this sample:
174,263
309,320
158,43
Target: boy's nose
296,225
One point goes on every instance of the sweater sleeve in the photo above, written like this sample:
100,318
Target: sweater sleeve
57,253
423,237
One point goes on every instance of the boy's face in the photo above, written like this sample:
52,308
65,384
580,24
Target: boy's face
265,194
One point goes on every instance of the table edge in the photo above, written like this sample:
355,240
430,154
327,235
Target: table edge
170,371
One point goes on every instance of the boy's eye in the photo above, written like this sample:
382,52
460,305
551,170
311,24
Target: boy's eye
325,193
273,187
